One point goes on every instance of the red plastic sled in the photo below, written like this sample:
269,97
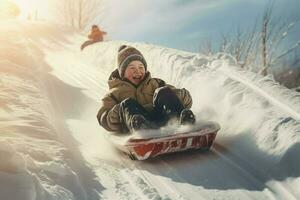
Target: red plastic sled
154,143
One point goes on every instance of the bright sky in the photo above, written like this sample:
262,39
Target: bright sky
181,24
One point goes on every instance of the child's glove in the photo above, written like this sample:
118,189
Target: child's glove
114,115
187,100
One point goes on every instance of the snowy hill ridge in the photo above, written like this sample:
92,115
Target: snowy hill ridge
52,147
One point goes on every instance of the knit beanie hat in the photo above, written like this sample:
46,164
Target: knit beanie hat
126,54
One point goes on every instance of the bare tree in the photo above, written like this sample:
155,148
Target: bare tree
239,44
273,34
250,39
206,47
264,39
263,46
79,13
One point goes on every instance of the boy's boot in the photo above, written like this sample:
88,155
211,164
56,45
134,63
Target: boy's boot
166,104
187,117
134,115
139,122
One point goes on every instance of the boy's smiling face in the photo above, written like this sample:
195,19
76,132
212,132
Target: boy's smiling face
135,72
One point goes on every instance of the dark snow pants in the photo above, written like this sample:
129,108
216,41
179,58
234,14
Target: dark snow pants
166,105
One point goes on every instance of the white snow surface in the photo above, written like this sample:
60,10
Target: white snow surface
52,148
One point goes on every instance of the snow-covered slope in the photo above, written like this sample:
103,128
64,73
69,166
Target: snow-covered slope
53,148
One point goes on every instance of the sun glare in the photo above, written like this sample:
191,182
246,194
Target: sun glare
26,6
32,8
8,9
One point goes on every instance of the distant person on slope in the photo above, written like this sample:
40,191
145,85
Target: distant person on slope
96,35
136,101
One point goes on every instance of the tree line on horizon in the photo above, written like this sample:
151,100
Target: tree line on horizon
262,48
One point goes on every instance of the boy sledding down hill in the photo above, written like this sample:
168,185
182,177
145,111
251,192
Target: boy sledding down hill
96,35
136,101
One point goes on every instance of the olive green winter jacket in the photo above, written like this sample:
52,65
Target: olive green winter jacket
119,90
